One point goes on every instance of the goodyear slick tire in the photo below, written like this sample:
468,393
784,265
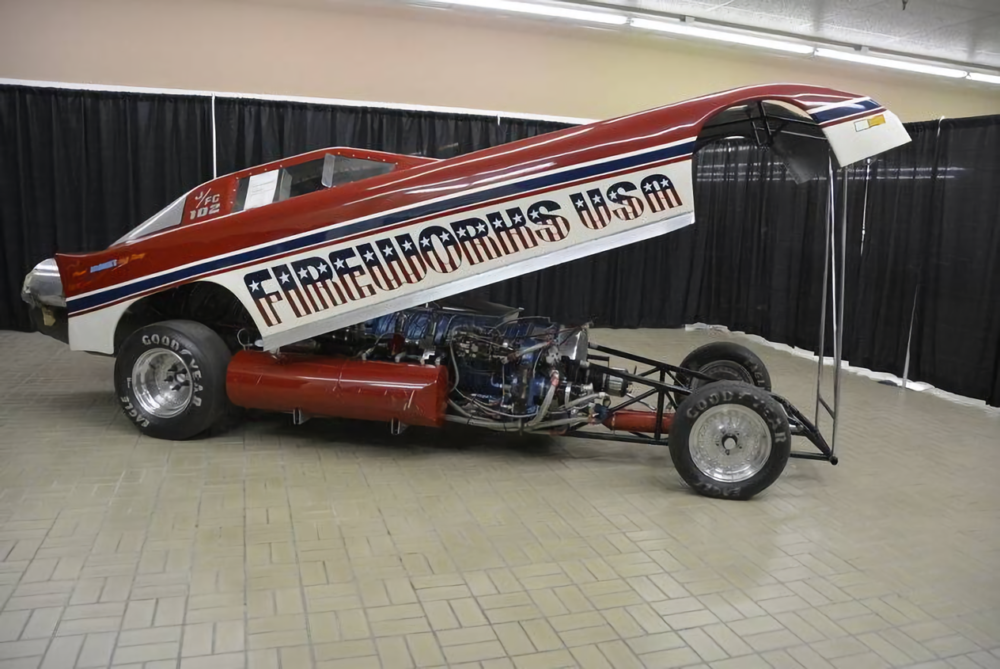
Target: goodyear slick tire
205,357
726,361
722,393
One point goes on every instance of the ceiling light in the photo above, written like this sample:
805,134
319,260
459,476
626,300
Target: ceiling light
721,35
988,78
541,10
894,64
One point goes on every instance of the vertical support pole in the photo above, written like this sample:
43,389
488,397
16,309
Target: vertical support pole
821,346
838,343
215,149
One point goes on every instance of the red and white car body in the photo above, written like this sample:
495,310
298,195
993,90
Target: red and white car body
429,228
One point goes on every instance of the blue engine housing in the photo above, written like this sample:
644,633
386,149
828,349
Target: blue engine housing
482,373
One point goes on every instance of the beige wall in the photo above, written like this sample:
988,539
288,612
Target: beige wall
397,53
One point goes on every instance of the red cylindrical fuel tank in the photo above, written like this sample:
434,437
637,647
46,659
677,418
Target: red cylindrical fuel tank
339,387
627,420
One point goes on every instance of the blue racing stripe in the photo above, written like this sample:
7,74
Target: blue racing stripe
845,110
116,293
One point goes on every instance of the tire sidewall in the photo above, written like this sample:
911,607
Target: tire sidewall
208,398
712,395
729,352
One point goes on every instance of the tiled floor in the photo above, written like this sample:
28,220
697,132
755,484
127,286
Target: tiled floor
335,545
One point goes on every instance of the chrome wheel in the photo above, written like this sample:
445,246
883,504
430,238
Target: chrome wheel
724,370
161,382
730,443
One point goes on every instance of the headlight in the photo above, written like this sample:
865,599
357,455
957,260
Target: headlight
43,286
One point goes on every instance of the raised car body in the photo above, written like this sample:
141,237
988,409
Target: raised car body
426,229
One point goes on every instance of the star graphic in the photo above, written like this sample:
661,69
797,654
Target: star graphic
481,227
581,203
534,214
665,183
338,263
322,268
461,232
648,187
596,199
303,273
254,286
387,250
369,255
518,218
497,222
284,277
445,236
407,245
426,241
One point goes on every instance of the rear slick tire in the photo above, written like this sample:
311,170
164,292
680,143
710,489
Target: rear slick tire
730,440
725,361
170,378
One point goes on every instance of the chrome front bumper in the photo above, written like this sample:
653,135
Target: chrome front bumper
43,292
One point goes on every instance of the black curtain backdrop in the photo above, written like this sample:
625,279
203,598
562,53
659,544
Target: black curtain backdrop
78,169
251,132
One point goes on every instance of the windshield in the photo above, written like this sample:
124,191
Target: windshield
167,217
261,189
308,177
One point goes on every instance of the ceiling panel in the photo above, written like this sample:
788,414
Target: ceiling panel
964,30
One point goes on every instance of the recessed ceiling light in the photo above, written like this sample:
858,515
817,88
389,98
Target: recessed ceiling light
541,10
987,78
679,28
892,63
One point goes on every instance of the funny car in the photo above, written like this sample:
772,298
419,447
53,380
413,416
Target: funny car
334,283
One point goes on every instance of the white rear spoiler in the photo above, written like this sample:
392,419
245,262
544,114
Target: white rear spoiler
871,131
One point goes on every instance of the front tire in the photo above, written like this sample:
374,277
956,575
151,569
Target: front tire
726,361
730,440
170,378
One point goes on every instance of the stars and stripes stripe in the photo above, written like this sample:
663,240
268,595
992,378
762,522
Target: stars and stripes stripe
263,299
660,193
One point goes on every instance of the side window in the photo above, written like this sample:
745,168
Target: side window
308,177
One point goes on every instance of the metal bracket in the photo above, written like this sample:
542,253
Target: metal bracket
299,416
397,428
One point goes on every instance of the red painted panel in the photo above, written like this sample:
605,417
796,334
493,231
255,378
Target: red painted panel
339,387
417,180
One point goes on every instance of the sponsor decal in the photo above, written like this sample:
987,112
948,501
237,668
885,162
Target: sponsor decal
206,203
871,122
302,287
104,265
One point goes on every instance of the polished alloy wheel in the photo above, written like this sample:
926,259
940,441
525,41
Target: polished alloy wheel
724,370
161,382
730,443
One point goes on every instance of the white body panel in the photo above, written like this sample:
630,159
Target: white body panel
556,242
865,136
95,331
